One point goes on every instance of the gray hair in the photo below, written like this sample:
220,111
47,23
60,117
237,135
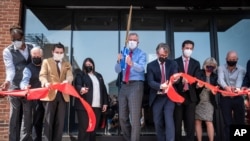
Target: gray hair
135,34
36,48
164,46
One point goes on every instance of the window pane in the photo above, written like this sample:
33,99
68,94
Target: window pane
195,29
233,34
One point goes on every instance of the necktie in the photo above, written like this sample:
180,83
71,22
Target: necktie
127,73
163,77
57,66
186,71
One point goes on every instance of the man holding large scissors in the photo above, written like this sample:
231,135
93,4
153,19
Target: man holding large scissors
131,92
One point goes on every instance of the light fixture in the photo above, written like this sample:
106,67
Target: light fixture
102,7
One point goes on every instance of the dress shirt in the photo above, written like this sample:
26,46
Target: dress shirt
137,69
227,78
184,60
96,91
8,61
26,78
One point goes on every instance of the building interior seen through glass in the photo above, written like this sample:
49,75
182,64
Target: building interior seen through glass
101,35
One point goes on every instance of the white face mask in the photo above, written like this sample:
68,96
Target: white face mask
187,52
132,44
58,56
18,44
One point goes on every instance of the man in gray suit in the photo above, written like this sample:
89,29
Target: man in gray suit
131,92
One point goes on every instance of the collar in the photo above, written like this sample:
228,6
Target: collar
235,68
160,62
184,58
26,48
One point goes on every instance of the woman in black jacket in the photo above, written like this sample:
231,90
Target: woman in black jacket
206,99
91,87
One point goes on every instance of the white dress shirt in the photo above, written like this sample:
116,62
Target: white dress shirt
8,61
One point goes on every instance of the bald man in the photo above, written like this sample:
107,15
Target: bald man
230,77
31,80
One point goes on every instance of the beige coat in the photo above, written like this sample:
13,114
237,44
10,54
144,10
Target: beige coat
48,74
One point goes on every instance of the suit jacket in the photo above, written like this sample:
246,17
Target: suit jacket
154,76
83,80
246,80
193,69
48,74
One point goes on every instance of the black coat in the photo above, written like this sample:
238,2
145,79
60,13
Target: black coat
213,81
83,80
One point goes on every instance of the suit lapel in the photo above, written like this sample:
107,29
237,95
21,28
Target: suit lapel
158,70
181,65
167,69
190,66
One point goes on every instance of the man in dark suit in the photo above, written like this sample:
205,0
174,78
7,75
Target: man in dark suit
246,85
158,75
186,110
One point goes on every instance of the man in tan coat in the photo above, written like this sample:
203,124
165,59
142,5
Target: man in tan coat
55,70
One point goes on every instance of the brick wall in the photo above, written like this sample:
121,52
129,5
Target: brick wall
9,15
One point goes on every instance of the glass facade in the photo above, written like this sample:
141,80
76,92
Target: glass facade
100,34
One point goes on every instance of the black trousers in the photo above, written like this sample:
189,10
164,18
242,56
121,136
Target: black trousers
38,114
54,118
185,112
83,124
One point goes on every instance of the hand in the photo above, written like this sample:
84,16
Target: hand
129,61
228,88
164,85
47,85
5,86
214,91
119,57
176,77
104,108
184,81
236,90
26,87
200,85
84,90
65,81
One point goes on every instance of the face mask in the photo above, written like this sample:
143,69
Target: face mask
210,68
187,52
18,44
231,63
37,61
88,69
162,60
57,56
132,44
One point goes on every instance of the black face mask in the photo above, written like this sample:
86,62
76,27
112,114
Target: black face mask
162,60
88,69
231,63
210,68
37,61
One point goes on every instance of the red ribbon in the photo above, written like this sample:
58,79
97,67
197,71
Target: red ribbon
175,97
40,93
